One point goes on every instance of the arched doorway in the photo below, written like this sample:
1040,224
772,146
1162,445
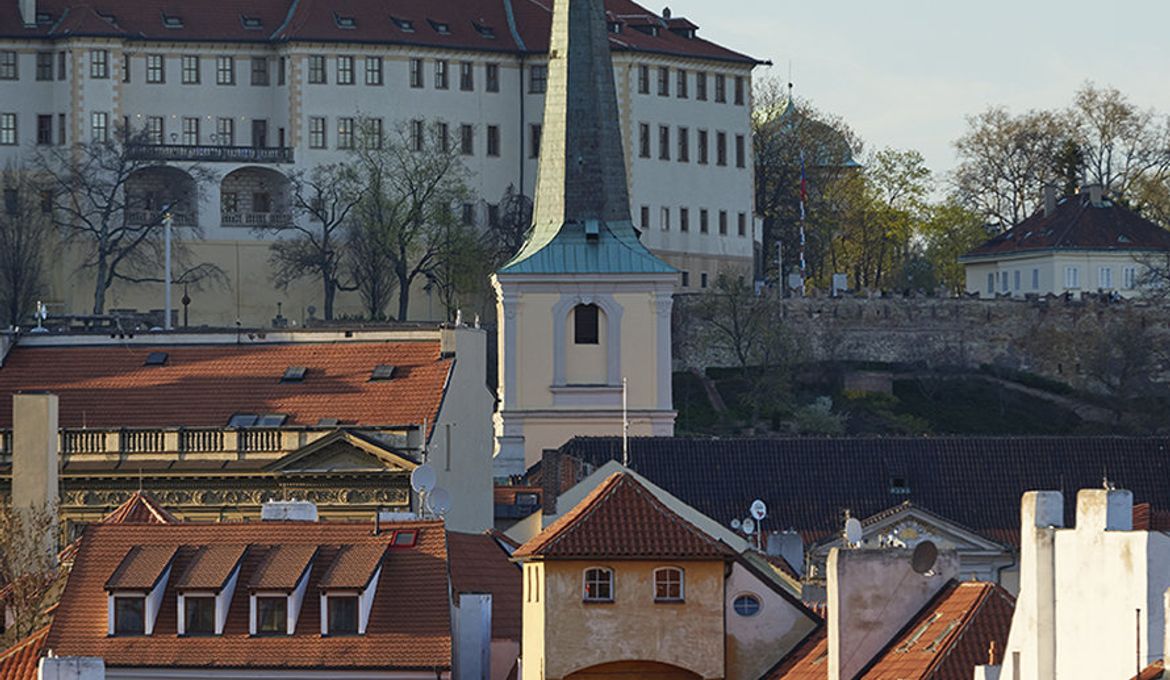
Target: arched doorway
255,197
150,190
627,670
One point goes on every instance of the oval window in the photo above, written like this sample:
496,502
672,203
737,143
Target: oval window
746,605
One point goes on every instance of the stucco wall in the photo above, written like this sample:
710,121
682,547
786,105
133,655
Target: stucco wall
756,643
1046,273
578,635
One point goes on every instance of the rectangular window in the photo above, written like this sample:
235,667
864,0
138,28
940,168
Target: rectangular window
720,88
663,81
1072,277
466,76
44,65
701,86
1004,280
373,70
99,64
416,73
721,148
534,132
493,211
645,217
703,221
343,614
156,71
684,219
680,86
272,615
702,147
261,201
684,145
443,132
225,70
280,67
702,279
190,68
1016,280
225,131
441,74
8,129
1128,278
467,140
99,126
1035,279
155,132
8,68
468,216
130,615
260,71
723,223
643,79
644,140
1105,278
664,218
991,283
199,615
61,129
493,140
663,142
492,75
345,133
45,129
125,68
668,585
741,224
417,135
317,69
686,279
373,133
740,95
229,202
538,79
190,131
61,68
585,325
344,70
740,151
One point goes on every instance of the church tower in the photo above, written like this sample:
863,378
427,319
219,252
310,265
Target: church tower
583,305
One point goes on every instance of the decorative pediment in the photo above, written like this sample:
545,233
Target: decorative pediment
344,451
907,525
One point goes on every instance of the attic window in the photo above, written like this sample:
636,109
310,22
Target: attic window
1123,239
328,422
156,359
130,615
405,539
441,27
899,485
46,18
344,21
294,374
382,372
648,29
171,21
242,420
615,27
271,420
405,25
251,23
485,31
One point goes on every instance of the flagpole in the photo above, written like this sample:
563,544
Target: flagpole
803,198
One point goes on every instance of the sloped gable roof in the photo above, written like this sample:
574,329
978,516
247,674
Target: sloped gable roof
19,662
621,519
480,564
322,454
140,508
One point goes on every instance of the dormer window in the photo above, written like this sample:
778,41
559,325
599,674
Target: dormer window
344,21
199,616
251,23
348,588
278,589
171,21
272,615
44,18
615,27
130,615
441,27
404,25
343,614
484,31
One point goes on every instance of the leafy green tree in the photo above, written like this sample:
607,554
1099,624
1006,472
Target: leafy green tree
949,231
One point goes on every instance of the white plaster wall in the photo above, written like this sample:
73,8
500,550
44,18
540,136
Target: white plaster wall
756,643
1051,267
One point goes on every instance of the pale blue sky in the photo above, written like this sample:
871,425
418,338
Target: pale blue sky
905,73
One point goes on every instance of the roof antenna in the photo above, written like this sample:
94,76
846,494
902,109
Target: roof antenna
789,80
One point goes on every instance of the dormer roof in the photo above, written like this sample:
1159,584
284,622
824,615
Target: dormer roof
353,567
282,566
140,508
142,567
210,567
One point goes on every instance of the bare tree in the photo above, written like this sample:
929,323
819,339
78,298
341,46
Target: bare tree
508,232
371,267
412,180
313,243
24,232
106,202
28,568
1120,145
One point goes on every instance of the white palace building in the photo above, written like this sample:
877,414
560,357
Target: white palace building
259,89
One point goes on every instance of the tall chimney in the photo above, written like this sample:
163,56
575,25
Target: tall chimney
34,458
1049,200
28,12
1096,195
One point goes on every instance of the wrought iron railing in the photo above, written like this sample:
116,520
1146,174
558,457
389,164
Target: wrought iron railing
180,219
210,154
256,219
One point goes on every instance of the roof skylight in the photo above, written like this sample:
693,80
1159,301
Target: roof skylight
172,21
251,23
441,27
405,25
156,359
382,372
294,374
485,31
343,21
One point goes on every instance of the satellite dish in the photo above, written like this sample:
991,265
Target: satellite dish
423,479
924,557
735,523
748,526
852,530
439,501
759,510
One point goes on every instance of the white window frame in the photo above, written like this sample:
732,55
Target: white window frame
1129,278
1105,278
585,581
1072,278
682,585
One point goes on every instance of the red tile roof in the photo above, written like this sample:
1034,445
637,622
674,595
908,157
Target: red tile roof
1076,224
409,623
209,567
140,508
353,567
1155,671
142,567
281,566
479,564
621,519
204,385
470,24
19,662
808,661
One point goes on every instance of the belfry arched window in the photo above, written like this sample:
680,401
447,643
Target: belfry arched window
586,324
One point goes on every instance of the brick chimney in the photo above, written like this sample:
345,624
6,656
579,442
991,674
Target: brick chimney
28,12
34,457
550,480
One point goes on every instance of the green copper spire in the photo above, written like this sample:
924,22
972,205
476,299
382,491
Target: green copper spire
581,220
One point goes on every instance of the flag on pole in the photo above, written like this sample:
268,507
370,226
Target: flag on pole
803,186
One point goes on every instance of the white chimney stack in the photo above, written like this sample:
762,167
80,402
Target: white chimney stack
28,12
34,457
1049,200
288,511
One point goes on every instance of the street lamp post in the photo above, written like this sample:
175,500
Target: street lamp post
168,219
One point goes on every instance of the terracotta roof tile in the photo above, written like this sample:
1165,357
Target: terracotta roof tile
204,385
479,564
210,567
140,508
281,566
622,519
409,624
1076,224
142,567
1155,671
808,661
353,566
19,662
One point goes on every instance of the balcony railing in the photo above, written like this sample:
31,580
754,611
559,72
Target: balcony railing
256,219
210,154
181,219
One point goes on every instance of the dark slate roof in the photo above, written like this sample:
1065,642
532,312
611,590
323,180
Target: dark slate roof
1077,224
808,483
